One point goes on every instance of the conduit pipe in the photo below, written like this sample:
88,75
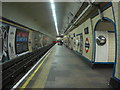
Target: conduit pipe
85,10
100,14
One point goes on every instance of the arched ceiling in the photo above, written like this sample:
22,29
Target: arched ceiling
41,13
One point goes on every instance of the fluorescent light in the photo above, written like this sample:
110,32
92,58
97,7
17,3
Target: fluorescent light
52,6
51,1
54,15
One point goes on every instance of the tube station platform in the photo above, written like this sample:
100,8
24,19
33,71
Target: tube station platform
61,68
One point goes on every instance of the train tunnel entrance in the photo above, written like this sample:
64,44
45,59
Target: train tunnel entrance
104,41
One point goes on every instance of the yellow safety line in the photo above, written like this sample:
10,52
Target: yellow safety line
32,75
41,80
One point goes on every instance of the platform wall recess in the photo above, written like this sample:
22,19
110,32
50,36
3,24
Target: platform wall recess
117,14
87,29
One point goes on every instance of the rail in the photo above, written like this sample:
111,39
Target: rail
13,70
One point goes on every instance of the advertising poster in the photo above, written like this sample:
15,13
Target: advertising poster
77,43
4,30
74,43
40,37
81,43
36,40
1,44
30,41
11,42
45,40
33,41
21,40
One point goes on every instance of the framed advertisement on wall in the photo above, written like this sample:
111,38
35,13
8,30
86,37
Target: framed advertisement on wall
21,41
11,42
4,30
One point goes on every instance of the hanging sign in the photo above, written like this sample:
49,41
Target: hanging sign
87,45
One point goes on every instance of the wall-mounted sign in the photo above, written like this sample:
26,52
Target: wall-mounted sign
77,43
81,43
87,45
1,45
74,43
21,41
11,42
4,30
86,30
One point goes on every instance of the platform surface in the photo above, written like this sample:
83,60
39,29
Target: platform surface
64,69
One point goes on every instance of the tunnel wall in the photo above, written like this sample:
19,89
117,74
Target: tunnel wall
18,40
88,51
79,30
117,18
13,11
17,18
108,14
0,49
118,60
115,79
112,14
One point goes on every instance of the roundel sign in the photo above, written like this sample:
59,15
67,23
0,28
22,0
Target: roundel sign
87,45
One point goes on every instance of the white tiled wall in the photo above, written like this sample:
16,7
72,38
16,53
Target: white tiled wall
116,5
107,13
111,50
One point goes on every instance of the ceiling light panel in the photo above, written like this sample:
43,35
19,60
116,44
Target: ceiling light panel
54,15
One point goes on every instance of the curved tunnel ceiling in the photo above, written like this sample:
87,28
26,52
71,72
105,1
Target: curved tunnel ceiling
41,13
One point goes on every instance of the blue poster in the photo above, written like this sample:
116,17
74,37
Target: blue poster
21,41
